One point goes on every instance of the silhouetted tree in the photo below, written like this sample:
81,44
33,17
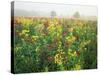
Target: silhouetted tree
76,15
53,14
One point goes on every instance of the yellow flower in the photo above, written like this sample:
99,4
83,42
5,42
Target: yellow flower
70,39
59,57
71,53
18,48
25,31
37,49
26,35
71,29
51,27
34,38
77,66
84,43
74,54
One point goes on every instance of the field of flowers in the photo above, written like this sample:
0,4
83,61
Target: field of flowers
54,44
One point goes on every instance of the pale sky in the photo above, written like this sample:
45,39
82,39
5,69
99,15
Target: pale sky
60,9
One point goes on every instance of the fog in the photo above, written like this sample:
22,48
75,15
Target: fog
45,8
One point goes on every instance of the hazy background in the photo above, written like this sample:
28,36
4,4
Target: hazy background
44,9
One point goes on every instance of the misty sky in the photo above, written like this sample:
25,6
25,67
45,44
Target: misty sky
60,9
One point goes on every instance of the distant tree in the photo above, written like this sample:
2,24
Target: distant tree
53,14
76,15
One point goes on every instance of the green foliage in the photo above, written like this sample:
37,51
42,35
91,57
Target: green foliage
44,44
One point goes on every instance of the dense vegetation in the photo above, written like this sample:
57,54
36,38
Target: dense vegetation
54,44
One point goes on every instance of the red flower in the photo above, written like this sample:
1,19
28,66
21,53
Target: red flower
50,58
78,53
